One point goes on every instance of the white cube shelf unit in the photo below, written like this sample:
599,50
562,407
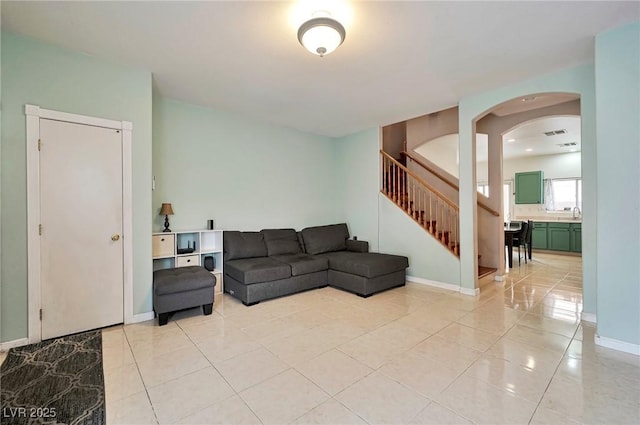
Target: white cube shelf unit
167,251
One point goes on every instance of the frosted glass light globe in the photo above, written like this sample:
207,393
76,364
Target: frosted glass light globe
321,36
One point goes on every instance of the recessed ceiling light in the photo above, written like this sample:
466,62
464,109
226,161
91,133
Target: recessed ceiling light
511,140
528,99
528,150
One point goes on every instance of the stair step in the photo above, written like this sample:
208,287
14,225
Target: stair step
485,271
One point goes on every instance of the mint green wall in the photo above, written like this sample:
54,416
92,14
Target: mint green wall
428,259
357,161
618,168
372,217
244,174
54,78
578,80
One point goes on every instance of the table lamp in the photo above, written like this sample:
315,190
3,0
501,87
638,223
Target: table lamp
166,210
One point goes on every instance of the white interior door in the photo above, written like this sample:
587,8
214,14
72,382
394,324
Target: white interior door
81,215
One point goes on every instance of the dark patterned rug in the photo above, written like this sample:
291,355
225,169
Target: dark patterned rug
59,381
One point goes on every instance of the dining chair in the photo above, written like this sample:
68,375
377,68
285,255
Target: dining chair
529,238
520,239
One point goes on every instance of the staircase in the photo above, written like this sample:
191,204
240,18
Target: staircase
435,213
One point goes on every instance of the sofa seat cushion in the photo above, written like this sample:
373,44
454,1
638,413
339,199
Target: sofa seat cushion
366,264
254,270
320,239
281,241
182,279
243,245
303,264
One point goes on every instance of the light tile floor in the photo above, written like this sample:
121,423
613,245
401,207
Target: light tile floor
516,354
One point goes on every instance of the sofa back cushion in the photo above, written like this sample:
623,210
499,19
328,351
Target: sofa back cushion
281,241
329,238
243,245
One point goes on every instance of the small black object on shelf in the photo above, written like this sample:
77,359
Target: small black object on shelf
209,263
188,249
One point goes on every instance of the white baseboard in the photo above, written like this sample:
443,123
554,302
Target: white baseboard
5,346
442,285
474,292
433,283
589,317
615,344
143,317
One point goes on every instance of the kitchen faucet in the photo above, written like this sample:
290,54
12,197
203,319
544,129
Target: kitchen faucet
576,213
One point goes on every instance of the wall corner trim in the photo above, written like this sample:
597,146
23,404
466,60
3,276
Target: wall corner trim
143,317
469,291
618,345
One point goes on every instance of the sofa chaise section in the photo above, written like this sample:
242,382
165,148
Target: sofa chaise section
351,266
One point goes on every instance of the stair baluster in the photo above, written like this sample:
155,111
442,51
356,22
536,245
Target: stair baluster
428,207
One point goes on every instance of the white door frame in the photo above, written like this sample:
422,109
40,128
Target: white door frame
33,115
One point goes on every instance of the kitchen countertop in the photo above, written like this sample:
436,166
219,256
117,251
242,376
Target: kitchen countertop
550,219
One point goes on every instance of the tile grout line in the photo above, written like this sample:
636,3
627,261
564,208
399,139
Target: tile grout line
236,393
146,390
554,373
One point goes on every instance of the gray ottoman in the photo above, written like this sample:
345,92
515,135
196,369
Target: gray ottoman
180,288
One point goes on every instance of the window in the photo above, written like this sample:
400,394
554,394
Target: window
563,194
484,189
507,194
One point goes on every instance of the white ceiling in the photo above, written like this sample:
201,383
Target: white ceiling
531,136
399,59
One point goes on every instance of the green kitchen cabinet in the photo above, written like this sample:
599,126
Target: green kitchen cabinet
559,236
539,235
576,237
529,187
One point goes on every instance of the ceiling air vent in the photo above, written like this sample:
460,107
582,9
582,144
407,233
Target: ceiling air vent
566,145
555,132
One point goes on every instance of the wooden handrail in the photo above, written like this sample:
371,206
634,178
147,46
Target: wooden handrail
444,179
431,170
421,181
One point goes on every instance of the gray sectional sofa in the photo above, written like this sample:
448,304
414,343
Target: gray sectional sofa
276,262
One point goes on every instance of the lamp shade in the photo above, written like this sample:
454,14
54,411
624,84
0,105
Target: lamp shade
321,36
166,209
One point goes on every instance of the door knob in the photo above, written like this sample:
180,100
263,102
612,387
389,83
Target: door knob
115,237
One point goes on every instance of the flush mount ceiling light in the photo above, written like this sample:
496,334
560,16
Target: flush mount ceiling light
321,36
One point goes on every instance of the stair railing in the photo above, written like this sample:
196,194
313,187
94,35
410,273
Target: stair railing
440,176
428,207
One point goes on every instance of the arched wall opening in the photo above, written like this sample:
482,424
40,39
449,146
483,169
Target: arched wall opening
576,83
491,174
